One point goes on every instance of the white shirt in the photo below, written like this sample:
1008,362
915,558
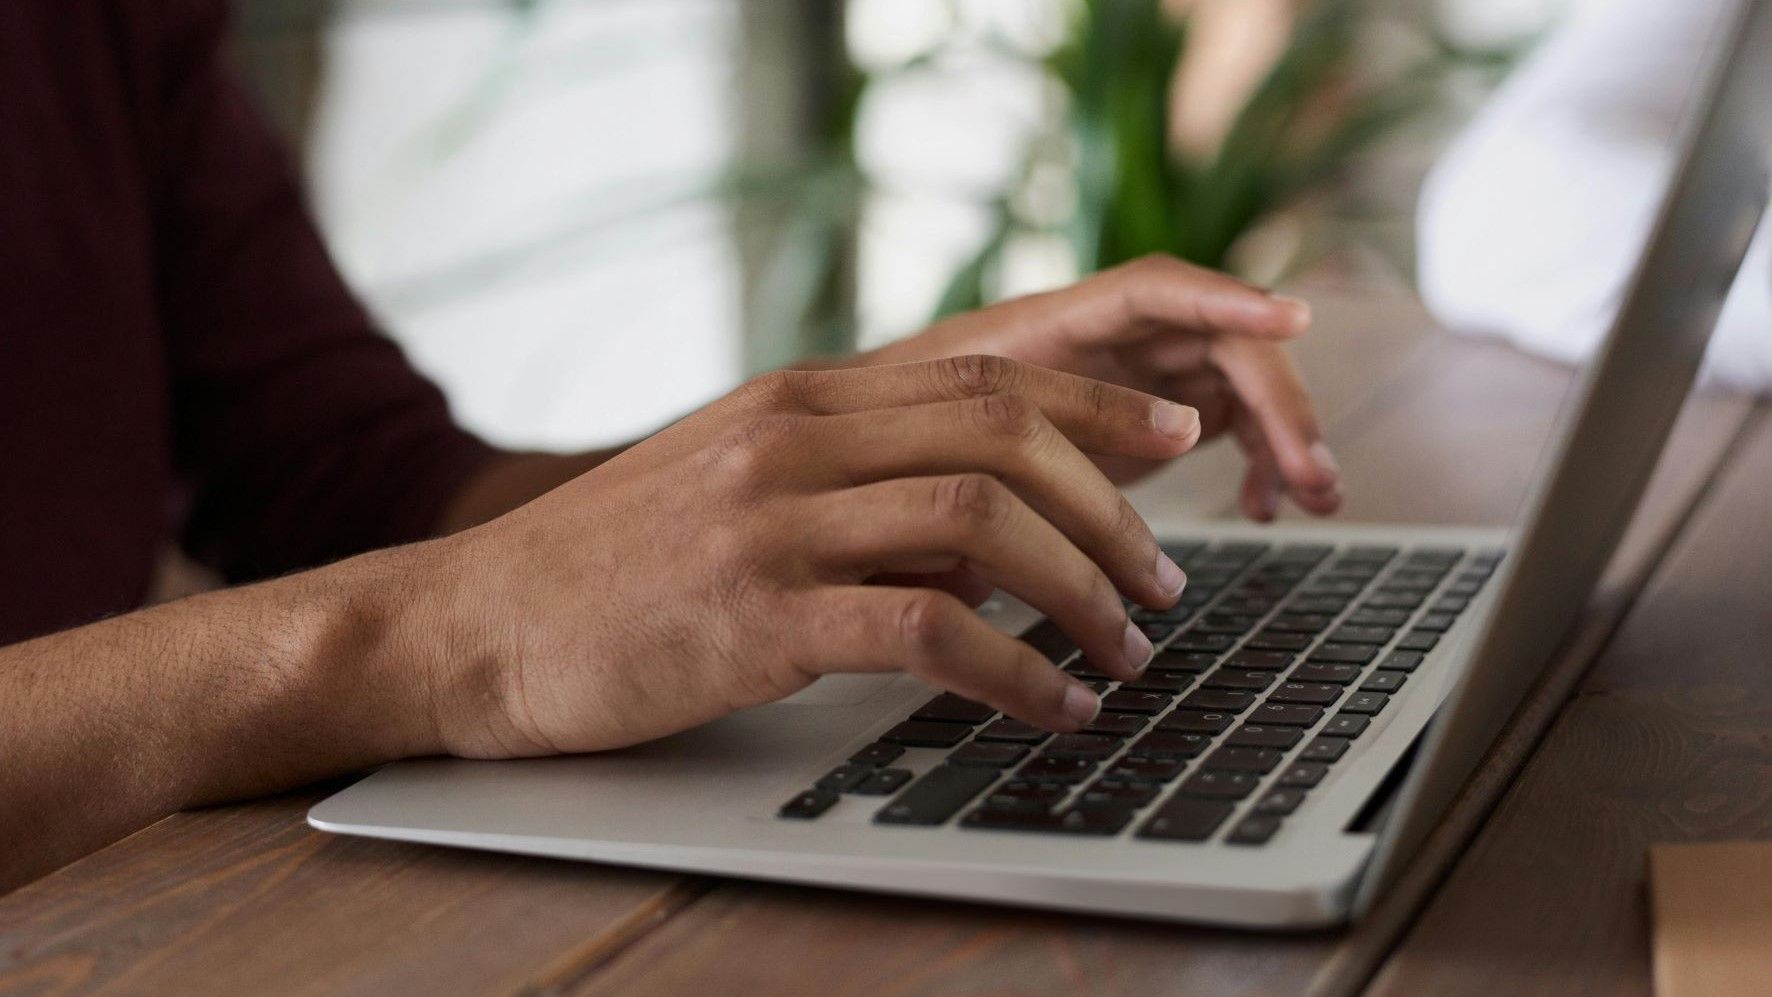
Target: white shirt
1530,224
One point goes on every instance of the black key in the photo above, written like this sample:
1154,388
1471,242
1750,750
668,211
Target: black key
1225,700
1316,671
1238,678
1170,744
1369,553
1142,769
1464,586
1109,792
1401,661
926,734
1435,622
1180,550
1050,641
1351,654
1260,760
1274,640
1279,802
1365,703
940,794
1186,819
1248,606
876,755
1378,617
884,782
1077,820
1136,701
1082,669
1346,725
1392,600
1282,715
1153,681
1254,829
1116,724
1300,623
1196,721
1418,640
1404,581
1331,587
1265,660
995,756
1024,795
1220,624
1382,681
1192,641
1091,746
1014,731
1157,633
844,778
1313,693
1307,553
1219,785
1177,613
1046,768
1258,736
1436,555
808,804
1361,635
1245,550
1324,749
1176,661
1303,775
1316,604
950,708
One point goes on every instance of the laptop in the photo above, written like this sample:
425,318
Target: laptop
1317,698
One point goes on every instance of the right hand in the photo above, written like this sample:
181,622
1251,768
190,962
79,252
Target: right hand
810,522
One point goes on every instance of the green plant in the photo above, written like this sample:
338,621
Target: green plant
1135,194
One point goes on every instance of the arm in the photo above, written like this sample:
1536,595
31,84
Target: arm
780,502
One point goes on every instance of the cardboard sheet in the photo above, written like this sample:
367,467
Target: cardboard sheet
1713,919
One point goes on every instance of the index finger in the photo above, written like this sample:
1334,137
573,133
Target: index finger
1097,416
1269,388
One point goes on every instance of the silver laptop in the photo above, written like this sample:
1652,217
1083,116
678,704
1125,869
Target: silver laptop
1318,697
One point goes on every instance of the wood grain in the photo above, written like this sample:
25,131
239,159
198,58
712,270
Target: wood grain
247,900
1667,740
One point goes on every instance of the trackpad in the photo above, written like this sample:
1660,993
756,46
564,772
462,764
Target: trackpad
840,690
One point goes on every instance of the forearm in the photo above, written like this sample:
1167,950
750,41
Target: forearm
234,693
512,479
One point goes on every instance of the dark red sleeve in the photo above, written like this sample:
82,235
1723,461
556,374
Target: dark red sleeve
303,434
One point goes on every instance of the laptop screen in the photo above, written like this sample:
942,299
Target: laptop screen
1613,430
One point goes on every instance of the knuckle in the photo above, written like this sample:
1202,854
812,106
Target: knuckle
1009,417
776,388
976,375
753,447
925,624
974,502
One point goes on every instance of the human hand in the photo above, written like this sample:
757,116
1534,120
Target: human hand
1180,332
810,522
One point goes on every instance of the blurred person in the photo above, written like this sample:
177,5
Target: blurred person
1532,220
180,362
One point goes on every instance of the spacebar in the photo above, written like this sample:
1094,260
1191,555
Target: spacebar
937,796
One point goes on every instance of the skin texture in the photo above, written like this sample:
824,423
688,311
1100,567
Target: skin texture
815,521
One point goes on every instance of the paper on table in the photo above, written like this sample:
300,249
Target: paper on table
1713,919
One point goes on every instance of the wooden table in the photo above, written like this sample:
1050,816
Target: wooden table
1650,726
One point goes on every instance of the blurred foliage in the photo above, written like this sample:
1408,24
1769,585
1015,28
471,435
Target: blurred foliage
1134,193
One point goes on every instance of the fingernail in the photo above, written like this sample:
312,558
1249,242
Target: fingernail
1080,704
1175,420
1138,648
1169,575
1300,309
1324,459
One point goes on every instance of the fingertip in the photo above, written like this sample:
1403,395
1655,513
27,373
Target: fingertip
1295,313
1178,423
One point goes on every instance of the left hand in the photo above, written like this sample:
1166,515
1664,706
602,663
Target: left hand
1177,331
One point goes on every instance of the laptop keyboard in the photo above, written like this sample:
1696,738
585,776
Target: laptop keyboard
1274,661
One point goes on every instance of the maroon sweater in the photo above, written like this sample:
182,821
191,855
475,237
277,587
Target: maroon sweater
178,356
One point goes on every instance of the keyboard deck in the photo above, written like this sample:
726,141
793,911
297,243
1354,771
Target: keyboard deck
1274,661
